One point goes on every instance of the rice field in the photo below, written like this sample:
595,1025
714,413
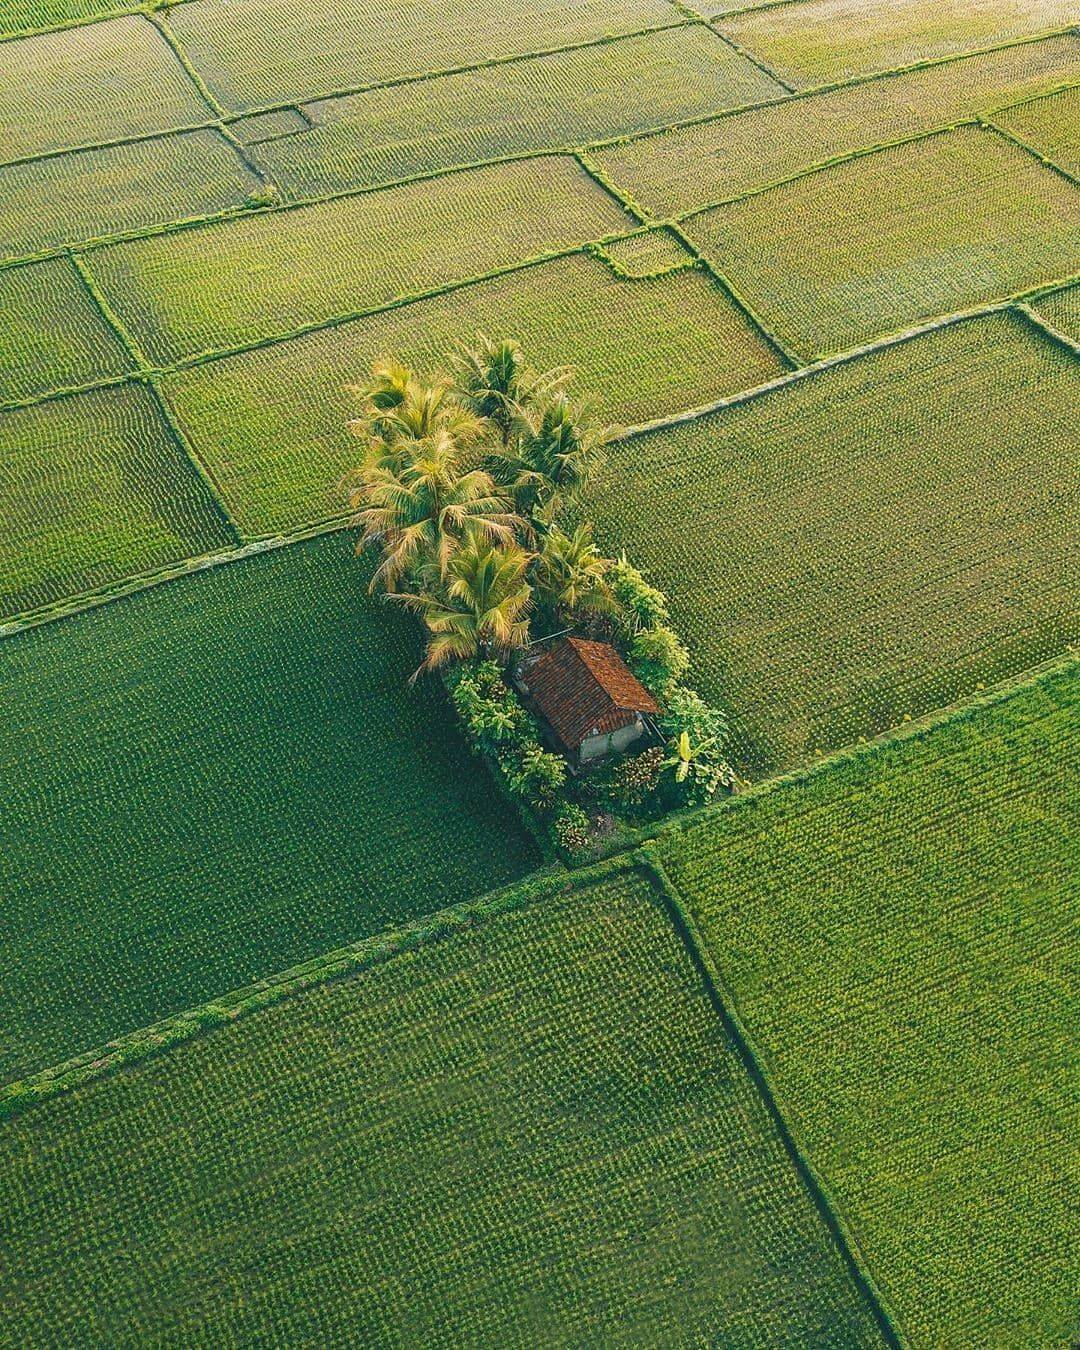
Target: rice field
253,52
896,932
833,577
712,161
535,1125
568,98
52,335
818,261
820,41
232,769
94,83
270,423
1050,126
96,489
177,293
881,242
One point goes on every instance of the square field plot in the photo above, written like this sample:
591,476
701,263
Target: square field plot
271,423
183,294
898,932
818,41
266,51
91,84
533,1131
1050,125
879,243
694,166
868,542
74,198
565,99
250,781
95,489
52,335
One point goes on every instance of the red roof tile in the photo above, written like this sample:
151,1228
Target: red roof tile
585,688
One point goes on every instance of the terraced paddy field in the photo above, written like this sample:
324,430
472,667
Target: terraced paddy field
818,261
896,934
533,1121
230,797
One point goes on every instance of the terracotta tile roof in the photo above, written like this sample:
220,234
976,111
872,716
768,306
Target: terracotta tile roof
585,688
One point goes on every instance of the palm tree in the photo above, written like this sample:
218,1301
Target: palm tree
415,502
398,407
495,382
569,574
483,606
553,460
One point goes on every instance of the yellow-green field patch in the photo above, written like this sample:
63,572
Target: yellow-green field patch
247,279
866,543
94,193
821,40
1062,311
1050,125
93,83
533,1130
264,51
552,101
94,489
696,165
52,336
271,422
878,243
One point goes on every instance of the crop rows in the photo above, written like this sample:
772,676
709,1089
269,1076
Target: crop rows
52,336
250,783
896,932
95,489
865,543
270,423
564,99
95,193
178,293
693,166
252,52
532,1129
1050,125
821,40
883,241
1062,311
90,84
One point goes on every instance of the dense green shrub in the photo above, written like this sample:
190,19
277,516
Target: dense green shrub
659,660
571,829
641,606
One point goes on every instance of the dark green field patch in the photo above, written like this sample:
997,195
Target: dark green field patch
272,422
94,489
866,543
533,1131
898,932
216,778
52,336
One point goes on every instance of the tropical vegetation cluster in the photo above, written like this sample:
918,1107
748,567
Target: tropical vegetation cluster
465,496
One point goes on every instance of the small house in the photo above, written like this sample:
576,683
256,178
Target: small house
586,694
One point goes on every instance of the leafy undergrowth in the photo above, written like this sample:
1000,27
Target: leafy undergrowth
894,932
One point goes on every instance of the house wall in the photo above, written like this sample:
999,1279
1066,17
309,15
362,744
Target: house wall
614,742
